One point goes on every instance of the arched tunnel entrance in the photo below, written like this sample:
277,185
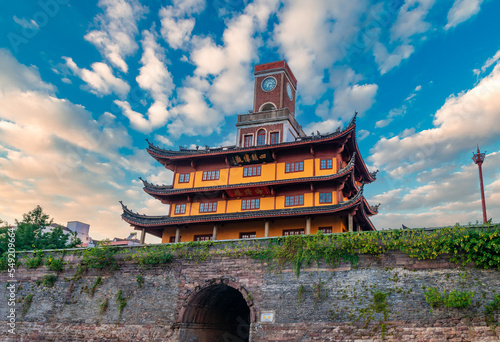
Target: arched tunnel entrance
216,313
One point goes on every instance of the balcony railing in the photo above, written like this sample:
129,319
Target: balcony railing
269,115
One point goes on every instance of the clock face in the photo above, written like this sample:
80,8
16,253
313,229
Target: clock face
289,91
269,84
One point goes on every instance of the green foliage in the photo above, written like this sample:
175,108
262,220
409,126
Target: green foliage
27,303
100,257
121,300
49,280
104,306
97,282
491,308
453,299
379,303
463,245
34,262
55,265
29,234
153,255
434,298
140,280
300,293
459,299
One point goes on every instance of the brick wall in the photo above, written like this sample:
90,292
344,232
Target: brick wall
321,304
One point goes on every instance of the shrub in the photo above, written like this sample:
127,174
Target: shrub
34,262
454,299
100,257
55,265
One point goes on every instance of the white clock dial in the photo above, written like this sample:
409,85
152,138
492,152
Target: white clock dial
268,84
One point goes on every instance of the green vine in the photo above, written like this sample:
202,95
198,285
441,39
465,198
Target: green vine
103,306
27,303
140,280
491,308
97,282
453,299
121,300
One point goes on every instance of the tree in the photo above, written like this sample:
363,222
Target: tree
30,234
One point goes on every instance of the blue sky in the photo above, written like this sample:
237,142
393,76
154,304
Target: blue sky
82,84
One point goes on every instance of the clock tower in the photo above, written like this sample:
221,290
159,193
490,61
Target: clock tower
272,120
275,87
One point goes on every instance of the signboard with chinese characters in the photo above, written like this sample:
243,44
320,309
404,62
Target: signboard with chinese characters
258,191
246,158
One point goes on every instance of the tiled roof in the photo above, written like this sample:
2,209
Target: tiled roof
137,219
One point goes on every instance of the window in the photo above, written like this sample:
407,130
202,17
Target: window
205,237
294,200
325,164
172,239
180,209
261,137
325,230
288,232
251,171
247,140
249,235
208,207
274,138
250,204
210,175
294,167
184,178
325,197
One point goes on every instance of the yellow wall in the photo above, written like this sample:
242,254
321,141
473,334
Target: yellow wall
324,172
199,182
267,173
178,185
234,205
316,198
221,207
172,210
308,171
308,201
226,231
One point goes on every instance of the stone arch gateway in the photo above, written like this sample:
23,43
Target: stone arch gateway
217,312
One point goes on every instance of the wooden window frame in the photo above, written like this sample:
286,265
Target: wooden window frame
294,167
255,171
246,204
203,237
295,199
208,207
180,209
244,235
326,164
211,175
327,197
261,133
274,134
291,232
245,136
185,177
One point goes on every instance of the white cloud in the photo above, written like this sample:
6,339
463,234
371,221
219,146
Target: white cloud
411,19
409,25
387,61
54,153
443,198
177,23
491,61
358,98
312,36
222,72
468,118
461,11
326,126
115,37
100,79
164,140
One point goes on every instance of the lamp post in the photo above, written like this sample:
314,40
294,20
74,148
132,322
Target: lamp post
478,159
